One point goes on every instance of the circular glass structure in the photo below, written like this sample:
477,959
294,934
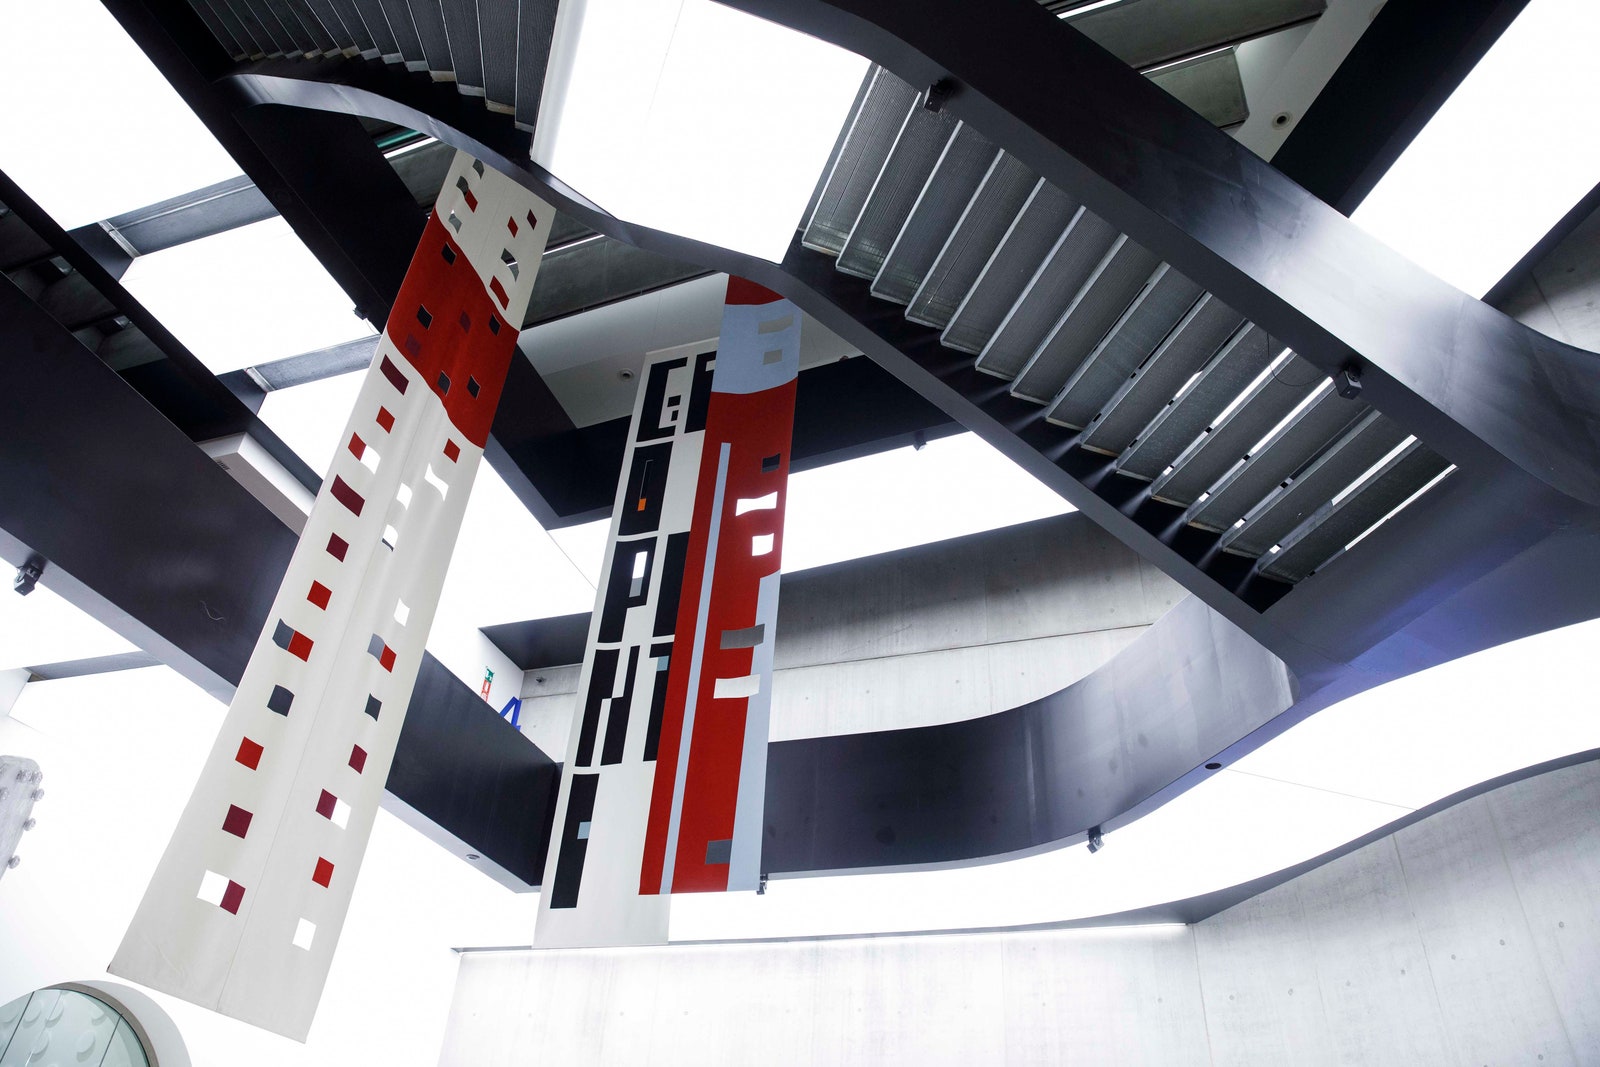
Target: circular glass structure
51,1027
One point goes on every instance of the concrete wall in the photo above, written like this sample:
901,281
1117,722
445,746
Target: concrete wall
938,633
1561,295
1471,937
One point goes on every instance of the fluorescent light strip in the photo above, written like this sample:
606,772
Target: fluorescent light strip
1084,9
1406,503
1309,399
1371,472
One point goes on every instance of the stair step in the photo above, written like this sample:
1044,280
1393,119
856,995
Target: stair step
461,27
917,150
870,137
1060,278
1291,448
938,211
377,23
1147,322
1363,445
1269,400
1333,526
536,28
497,42
1140,398
1234,367
428,18
974,240
1117,283
405,34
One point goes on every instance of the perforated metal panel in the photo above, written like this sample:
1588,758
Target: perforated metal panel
263,27
1355,453
1116,284
1244,356
405,34
357,35
1162,305
461,27
377,22
497,44
1336,524
536,26
1027,242
428,18
1213,455
1050,292
873,129
905,173
967,158
1289,450
999,198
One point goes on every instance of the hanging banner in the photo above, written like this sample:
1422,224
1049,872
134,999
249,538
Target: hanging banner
245,908
665,777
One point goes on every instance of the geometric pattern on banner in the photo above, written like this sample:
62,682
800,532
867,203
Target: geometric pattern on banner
665,777
245,907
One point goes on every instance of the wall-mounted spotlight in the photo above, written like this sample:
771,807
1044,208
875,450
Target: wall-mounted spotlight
761,890
1347,383
28,575
1097,840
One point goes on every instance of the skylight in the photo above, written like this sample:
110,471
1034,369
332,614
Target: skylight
693,118
249,295
88,126
1505,158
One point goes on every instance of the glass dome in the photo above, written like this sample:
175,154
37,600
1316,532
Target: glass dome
63,1028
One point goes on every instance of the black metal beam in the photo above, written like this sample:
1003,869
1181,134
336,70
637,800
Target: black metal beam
1404,67
144,531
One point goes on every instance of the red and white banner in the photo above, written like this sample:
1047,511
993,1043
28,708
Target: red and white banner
245,908
665,776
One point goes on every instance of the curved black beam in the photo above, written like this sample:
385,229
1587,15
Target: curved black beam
1030,777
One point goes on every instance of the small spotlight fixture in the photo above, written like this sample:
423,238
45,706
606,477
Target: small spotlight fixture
761,890
28,576
1348,383
938,95
1097,840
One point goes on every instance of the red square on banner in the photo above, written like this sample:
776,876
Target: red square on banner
452,451
300,645
386,659
232,897
319,595
358,758
323,874
249,753
385,419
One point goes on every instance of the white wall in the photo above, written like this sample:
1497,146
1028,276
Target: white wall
120,753
1471,937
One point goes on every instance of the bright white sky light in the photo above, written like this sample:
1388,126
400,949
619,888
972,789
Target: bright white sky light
1511,151
88,127
693,118
249,295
